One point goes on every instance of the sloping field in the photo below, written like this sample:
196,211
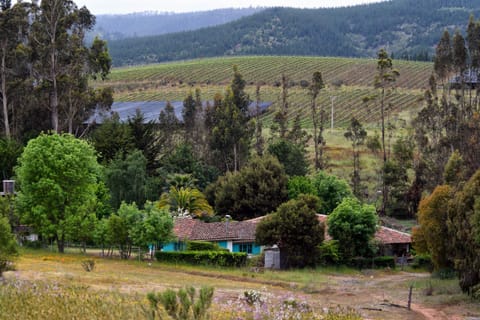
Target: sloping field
268,69
348,82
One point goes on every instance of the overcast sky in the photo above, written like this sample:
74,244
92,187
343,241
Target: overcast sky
129,6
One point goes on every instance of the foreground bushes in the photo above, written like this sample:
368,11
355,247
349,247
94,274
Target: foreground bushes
204,258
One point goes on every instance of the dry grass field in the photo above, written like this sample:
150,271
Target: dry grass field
123,285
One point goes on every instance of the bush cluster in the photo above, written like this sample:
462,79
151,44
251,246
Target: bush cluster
377,262
203,246
205,258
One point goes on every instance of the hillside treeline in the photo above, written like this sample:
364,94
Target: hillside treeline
407,28
120,26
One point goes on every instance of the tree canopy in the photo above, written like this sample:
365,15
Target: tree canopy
257,189
295,228
354,225
58,177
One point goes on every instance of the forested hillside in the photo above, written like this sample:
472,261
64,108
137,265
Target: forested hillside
407,28
120,26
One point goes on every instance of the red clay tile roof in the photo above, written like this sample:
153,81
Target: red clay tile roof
244,231
191,229
391,236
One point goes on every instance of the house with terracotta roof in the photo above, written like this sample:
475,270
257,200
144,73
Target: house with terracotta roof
239,236
236,236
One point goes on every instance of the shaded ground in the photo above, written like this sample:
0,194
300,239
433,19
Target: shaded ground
375,294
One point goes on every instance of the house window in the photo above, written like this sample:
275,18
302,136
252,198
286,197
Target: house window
246,247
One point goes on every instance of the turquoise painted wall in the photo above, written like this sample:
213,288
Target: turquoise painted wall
169,247
256,249
222,244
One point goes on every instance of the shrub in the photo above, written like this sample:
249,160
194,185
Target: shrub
423,261
329,253
205,258
377,262
88,265
252,297
384,262
184,304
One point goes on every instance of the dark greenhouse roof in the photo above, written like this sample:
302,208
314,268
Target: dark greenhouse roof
151,110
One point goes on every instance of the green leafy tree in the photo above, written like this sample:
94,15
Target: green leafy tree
58,177
154,228
431,236
120,226
259,188
291,156
8,244
127,179
354,225
331,190
328,188
463,225
112,139
295,228
182,160
396,179
356,134
228,121
454,172
169,126
146,139
300,185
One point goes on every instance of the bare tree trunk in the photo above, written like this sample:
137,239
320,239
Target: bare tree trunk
6,123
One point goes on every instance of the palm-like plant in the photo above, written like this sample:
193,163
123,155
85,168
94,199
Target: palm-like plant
183,201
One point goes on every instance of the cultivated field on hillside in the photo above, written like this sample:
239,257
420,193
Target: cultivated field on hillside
56,283
348,82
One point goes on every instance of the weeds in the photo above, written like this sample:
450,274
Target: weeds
182,305
88,265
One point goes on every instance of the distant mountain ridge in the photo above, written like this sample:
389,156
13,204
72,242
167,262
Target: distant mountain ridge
120,26
407,28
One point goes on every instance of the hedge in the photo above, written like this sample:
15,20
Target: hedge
205,258
377,262
203,246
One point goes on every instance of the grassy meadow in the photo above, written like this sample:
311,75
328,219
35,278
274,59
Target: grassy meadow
48,285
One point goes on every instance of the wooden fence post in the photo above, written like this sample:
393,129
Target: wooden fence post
410,296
